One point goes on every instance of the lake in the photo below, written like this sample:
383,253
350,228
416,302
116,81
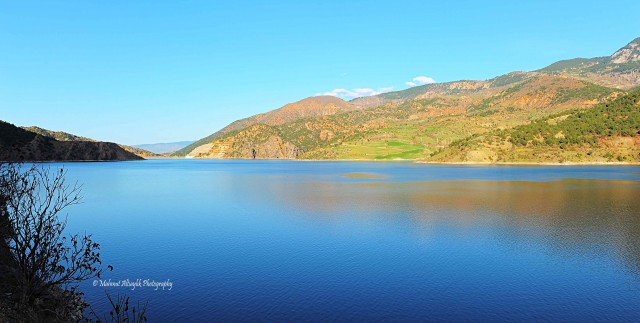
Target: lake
365,241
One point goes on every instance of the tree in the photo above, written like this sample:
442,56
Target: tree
37,259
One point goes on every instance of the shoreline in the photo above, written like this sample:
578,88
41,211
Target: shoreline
415,161
418,161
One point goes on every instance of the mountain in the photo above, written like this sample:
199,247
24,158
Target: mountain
164,148
17,144
310,107
422,122
63,136
408,130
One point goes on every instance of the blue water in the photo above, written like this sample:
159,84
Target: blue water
355,241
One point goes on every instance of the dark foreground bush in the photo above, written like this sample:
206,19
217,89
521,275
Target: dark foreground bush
40,265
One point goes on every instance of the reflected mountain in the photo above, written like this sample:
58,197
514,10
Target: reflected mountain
571,216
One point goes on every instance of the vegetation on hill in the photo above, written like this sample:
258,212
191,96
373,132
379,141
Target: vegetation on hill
57,135
511,78
575,64
620,117
608,132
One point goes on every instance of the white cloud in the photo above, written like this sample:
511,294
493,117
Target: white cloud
355,93
420,80
349,94
424,79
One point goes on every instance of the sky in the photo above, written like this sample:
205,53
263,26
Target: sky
138,72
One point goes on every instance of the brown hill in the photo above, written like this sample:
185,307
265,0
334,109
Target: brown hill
316,106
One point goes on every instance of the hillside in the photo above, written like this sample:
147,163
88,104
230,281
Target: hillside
609,132
63,136
17,144
310,107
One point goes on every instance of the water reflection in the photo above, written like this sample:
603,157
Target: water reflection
571,216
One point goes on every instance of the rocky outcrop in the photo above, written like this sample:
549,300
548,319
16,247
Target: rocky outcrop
255,142
620,70
627,54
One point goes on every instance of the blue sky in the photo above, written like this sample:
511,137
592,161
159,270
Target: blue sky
156,71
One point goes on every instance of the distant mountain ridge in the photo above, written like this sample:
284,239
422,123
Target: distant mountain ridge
18,144
164,147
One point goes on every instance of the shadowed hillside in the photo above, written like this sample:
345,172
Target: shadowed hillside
63,136
17,144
